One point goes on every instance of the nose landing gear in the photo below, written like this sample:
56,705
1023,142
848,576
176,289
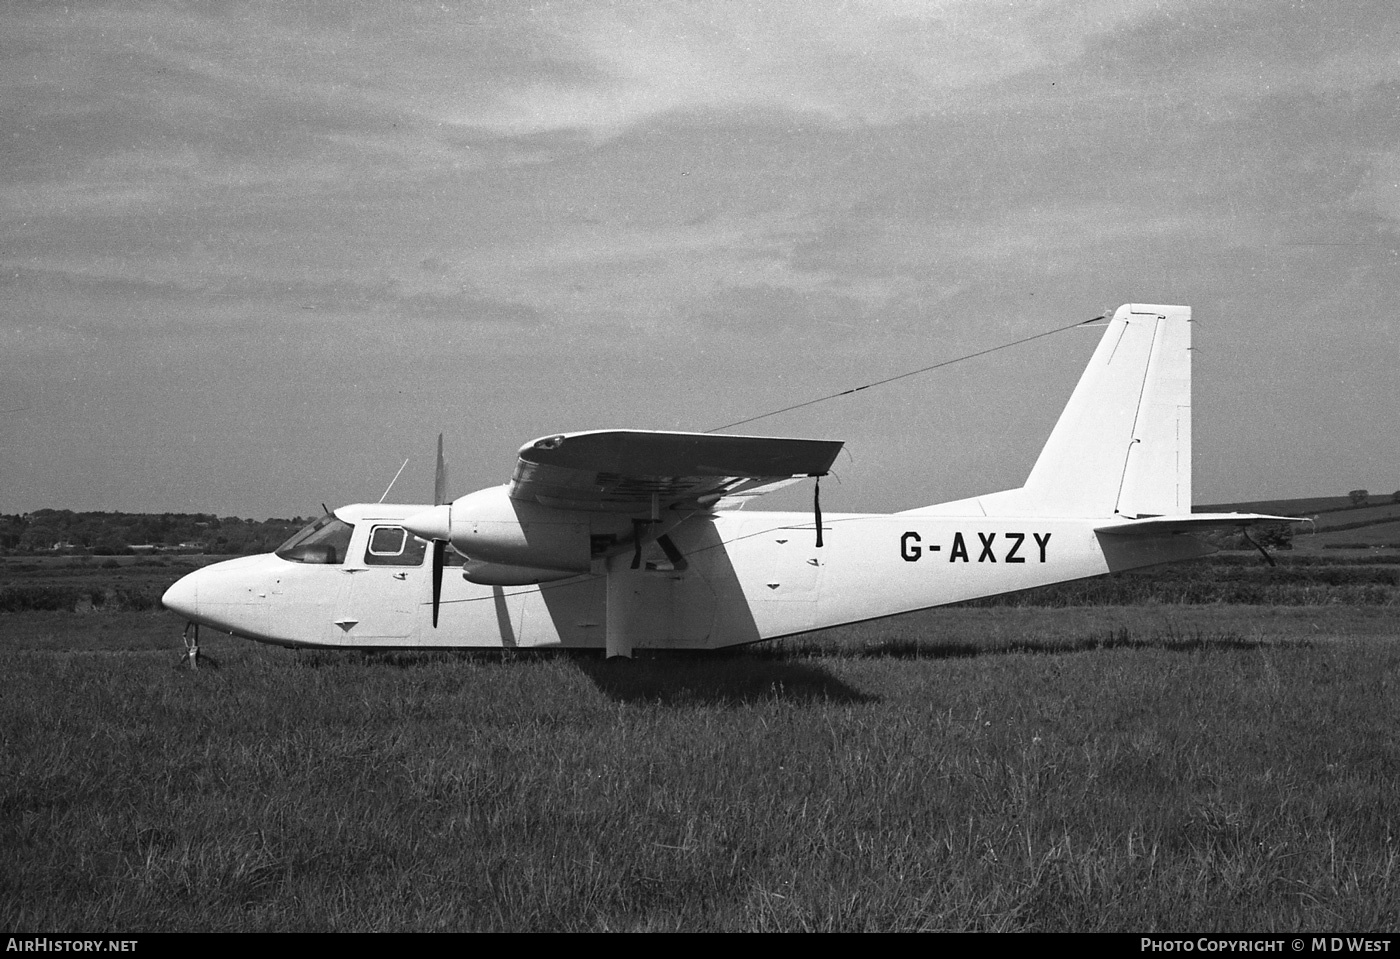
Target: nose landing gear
191,640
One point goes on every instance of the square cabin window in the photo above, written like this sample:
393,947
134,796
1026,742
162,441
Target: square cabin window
393,546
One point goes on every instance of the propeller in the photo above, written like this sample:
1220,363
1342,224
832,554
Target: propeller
435,526
439,545
440,477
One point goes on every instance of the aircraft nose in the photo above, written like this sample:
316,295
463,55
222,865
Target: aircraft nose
183,597
435,523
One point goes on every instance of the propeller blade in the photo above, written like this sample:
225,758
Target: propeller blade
440,477
439,549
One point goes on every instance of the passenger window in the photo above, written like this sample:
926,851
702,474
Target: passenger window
393,546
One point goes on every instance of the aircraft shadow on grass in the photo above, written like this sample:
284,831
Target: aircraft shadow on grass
728,681
792,676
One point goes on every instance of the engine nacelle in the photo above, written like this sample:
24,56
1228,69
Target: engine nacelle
494,574
490,527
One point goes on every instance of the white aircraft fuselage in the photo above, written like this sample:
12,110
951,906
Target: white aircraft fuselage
747,577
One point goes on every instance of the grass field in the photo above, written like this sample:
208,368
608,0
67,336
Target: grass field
1372,534
1160,766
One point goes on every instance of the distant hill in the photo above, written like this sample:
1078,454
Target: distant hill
1307,506
1281,507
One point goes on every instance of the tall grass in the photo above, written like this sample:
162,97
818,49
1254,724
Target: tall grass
1234,769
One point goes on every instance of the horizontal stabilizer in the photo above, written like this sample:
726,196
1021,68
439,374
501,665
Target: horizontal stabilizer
1192,523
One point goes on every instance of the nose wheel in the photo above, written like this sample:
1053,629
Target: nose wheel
191,640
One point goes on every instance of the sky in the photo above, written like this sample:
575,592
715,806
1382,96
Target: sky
255,255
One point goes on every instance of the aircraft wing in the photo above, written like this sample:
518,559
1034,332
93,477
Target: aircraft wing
1190,523
622,470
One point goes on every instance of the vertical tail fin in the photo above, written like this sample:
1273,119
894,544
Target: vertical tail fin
1122,446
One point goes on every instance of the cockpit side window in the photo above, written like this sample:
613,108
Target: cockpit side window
324,541
394,546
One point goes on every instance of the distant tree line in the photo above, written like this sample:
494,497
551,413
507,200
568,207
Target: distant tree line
115,534
1361,497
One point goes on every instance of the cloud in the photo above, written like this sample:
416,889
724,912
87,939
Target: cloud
876,63
761,306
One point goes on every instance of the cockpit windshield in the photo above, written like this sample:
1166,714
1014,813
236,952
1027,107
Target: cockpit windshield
324,541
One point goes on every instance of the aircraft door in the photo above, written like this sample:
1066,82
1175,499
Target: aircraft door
386,593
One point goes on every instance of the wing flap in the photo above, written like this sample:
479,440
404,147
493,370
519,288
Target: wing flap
634,470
